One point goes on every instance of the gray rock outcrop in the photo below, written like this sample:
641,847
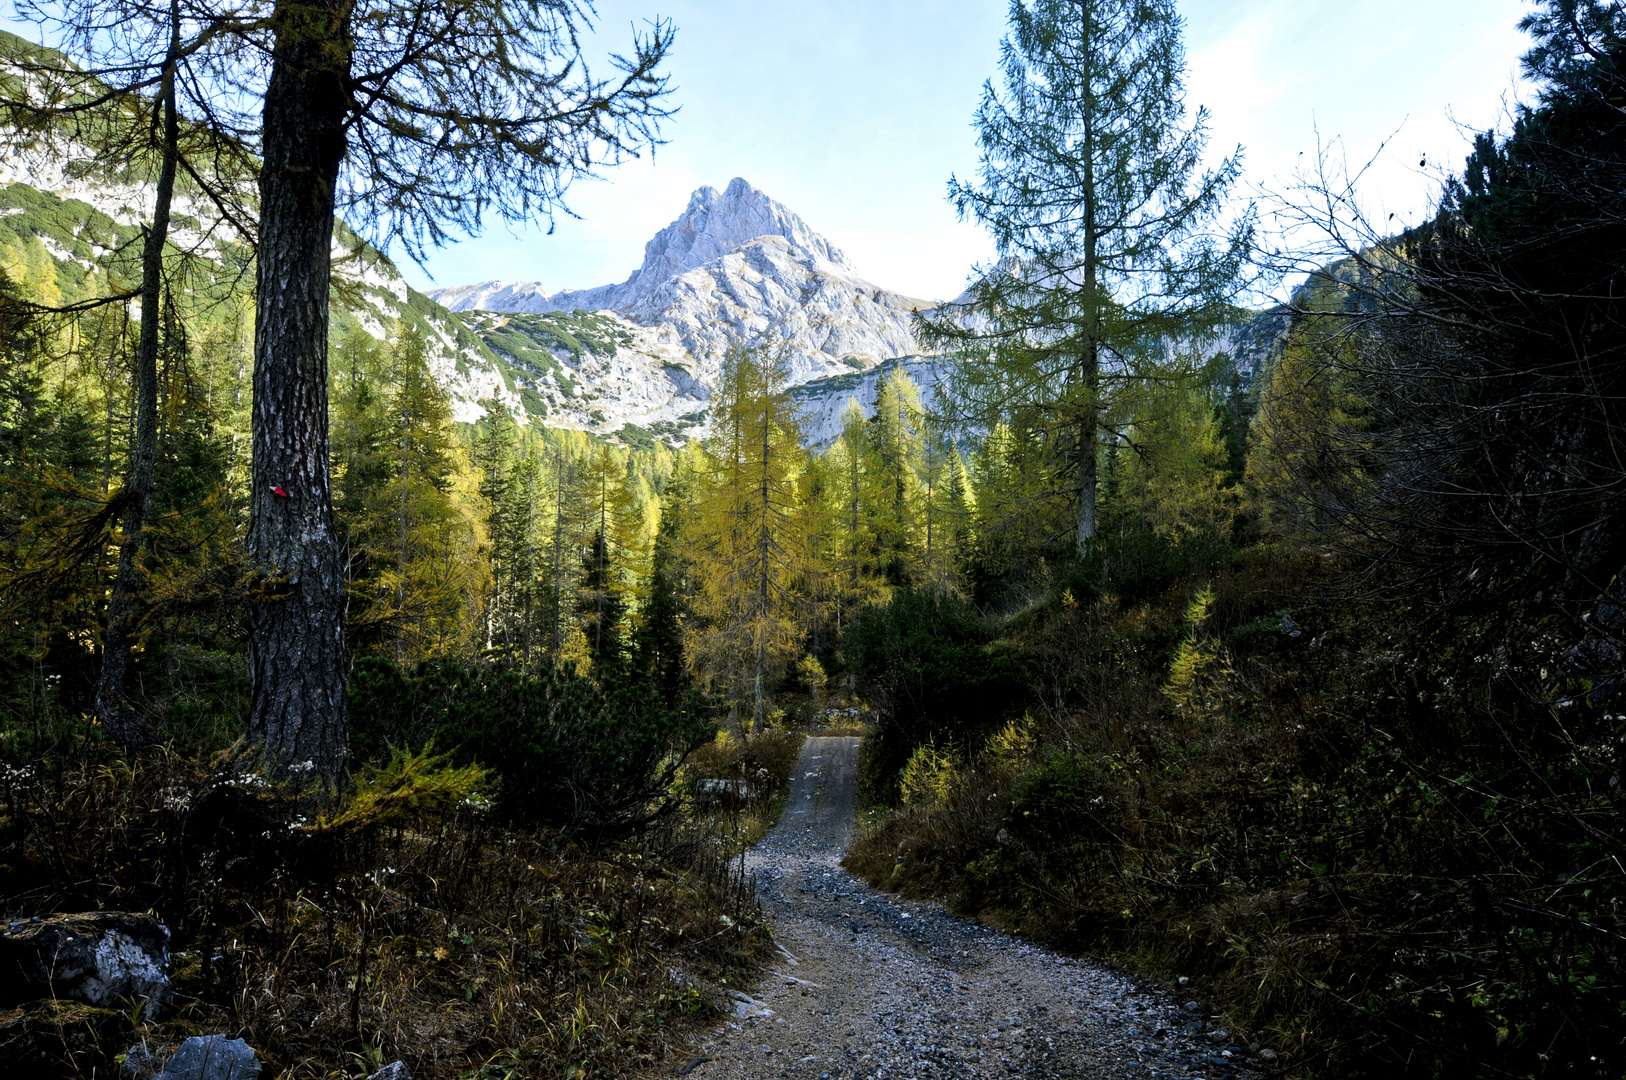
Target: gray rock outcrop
395,1070
212,1057
100,958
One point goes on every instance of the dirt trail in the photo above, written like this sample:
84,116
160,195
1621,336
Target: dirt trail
869,987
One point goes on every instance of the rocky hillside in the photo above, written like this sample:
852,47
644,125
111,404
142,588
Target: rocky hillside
63,220
736,267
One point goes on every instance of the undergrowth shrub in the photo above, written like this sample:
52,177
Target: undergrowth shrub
1369,837
929,777
592,757
928,663
739,786
408,922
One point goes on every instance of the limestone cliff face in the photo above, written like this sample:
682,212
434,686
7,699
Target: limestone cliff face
62,177
736,267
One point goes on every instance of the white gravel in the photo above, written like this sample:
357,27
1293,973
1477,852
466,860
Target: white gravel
869,987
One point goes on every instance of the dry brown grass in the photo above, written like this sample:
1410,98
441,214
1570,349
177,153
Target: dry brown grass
758,770
460,946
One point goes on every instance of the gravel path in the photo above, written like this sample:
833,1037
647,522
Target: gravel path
869,987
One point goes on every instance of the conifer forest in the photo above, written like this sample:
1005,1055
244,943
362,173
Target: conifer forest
1226,591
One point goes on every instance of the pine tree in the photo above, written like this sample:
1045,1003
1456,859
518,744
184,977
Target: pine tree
1090,182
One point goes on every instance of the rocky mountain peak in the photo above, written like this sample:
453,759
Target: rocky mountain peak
714,224
717,223
735,267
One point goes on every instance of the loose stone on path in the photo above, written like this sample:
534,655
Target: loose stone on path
870,987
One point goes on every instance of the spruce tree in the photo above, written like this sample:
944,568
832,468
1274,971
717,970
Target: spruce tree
897,434
496,457
612,557
658,642
1112,238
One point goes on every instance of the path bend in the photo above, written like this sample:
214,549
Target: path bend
871,987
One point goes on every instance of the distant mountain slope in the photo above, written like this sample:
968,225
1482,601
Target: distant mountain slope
57,202
736,267
594,370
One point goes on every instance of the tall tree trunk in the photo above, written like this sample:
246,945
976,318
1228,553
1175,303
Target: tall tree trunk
401,539
852,528
931,495
558,542
764,549
1087,468
298,717
113,706
1090,376
527,627
603,549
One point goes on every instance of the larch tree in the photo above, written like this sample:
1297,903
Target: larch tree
896,451
423,118
748,548
1113,239
121,105
945,509
849,547
432,115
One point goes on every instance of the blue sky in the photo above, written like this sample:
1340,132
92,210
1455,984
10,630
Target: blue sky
855,112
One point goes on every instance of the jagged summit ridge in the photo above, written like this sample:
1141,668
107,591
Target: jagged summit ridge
736,267
714,224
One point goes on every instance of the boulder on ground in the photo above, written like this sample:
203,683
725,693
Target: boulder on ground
212,1057
100,958
395,1070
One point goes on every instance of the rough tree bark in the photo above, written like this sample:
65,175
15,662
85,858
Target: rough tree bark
113,706
764,546
1090,422
298,718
